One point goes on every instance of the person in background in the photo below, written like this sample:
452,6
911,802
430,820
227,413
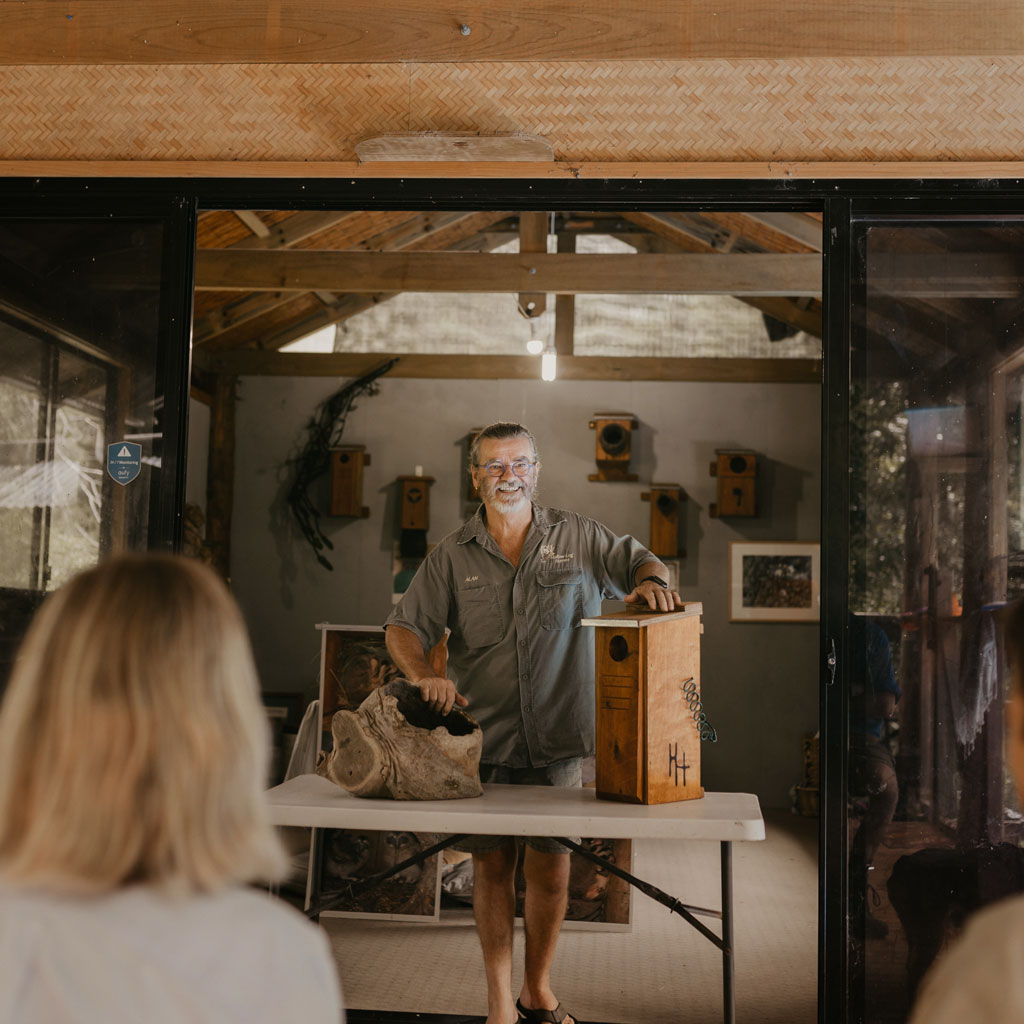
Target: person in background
133,758
512,585
874,694
981,977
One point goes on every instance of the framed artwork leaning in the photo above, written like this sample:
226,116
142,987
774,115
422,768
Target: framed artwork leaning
349,856
353,662
774,581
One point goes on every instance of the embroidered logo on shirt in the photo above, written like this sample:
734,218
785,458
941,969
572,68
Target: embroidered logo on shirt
472,579
547,551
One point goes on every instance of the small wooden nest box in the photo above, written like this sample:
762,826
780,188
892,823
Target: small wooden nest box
648,739
613,445
737,483
347,464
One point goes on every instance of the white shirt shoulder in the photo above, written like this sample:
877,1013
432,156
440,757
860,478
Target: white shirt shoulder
980,977
238,955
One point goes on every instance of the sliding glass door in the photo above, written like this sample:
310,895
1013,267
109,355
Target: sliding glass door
936,497
93,372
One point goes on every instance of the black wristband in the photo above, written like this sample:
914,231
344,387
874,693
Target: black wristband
655,579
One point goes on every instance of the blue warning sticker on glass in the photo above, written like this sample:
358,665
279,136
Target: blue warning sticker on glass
124,460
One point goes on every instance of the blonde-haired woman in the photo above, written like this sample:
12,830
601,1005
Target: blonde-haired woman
133,755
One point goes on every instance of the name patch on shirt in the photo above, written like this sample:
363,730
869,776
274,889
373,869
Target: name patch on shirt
472,579
548,553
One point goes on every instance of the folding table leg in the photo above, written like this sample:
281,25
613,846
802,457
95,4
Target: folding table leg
316,849
728,996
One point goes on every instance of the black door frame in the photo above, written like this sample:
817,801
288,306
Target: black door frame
840,201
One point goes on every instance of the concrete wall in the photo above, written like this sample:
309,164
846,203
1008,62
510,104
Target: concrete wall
760,681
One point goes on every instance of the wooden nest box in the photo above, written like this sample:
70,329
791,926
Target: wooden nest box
648,738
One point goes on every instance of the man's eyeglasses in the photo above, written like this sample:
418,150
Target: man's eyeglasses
520,467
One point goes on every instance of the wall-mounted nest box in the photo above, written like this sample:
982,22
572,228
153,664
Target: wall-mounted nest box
737,483
347,481
614,444
664,499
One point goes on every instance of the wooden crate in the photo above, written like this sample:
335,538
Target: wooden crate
648,742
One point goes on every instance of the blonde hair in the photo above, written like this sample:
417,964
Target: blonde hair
133,745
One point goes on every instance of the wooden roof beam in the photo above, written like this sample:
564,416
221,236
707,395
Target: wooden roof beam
969,275
253,362
787,275
430,229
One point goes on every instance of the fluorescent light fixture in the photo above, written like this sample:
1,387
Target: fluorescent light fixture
548,364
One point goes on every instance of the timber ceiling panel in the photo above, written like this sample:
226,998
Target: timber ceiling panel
808,109
371,31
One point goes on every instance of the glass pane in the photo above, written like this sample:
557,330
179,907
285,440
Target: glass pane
79,333
936,550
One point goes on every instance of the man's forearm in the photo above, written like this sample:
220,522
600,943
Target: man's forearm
407,653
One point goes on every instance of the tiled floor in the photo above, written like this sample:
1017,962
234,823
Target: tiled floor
660,972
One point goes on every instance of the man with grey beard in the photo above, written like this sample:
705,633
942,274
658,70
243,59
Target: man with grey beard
512,585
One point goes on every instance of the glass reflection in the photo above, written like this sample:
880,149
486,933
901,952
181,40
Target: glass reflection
79,369
934,824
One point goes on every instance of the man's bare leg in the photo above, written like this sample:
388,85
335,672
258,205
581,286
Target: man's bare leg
494,910
547,894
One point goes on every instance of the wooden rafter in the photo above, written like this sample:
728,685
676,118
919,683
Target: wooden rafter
714,231
253,222
292,231
803,316
801,227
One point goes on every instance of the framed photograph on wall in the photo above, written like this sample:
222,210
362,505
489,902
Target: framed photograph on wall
774,582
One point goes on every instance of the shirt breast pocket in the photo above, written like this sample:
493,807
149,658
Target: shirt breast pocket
479,616
561,598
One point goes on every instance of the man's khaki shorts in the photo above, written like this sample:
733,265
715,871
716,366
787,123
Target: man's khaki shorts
561,773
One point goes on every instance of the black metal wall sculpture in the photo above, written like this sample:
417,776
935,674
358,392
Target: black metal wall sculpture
323,432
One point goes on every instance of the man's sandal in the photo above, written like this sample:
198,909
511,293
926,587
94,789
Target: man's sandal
555,1016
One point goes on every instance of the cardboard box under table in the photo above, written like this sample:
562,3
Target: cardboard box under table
648,704
312,801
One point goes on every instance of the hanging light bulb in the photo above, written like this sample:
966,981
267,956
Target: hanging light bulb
535,346
548,363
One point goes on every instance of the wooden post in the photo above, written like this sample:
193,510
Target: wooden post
533,238
220,477
565,306
984,573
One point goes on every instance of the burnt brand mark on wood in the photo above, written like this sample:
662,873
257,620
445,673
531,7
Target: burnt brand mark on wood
675,763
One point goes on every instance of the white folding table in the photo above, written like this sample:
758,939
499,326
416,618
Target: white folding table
312,801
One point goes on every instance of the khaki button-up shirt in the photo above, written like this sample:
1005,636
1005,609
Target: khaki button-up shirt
517,651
